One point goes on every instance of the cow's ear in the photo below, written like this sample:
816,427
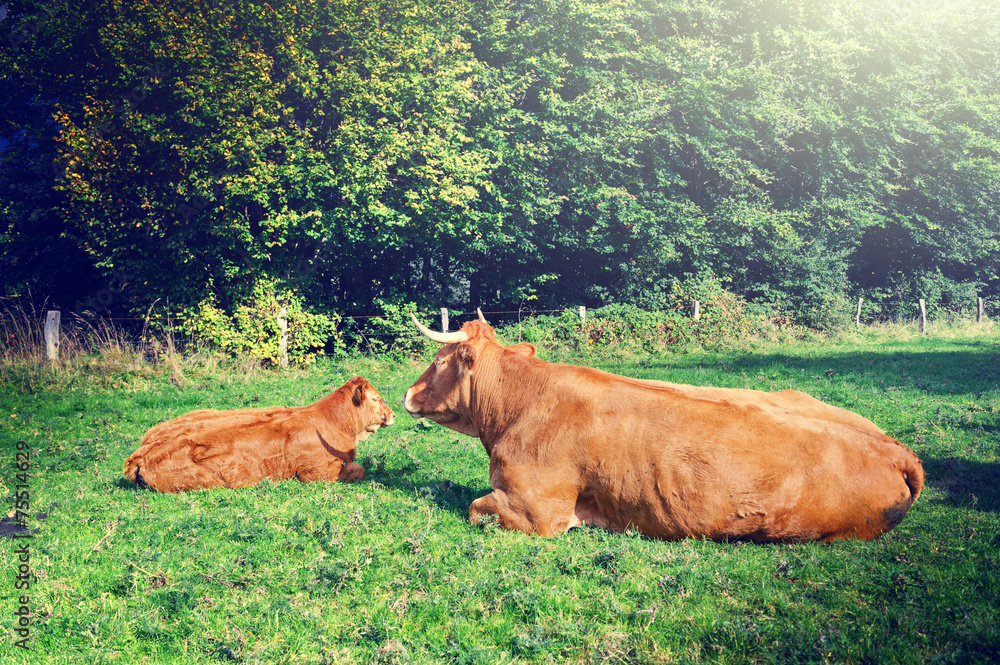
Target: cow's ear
359,395
523,349
466,356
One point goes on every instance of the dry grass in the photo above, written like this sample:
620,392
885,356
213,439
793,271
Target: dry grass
953,329
93,347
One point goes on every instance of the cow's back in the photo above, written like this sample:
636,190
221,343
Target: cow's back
791,402
673,460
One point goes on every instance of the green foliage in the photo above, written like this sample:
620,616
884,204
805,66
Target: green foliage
307,141
465,152
559,333
725,320
625,326
392,332
945,299
252,329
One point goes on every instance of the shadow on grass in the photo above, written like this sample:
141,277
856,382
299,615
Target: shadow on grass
965,483
127,485
10,528
444,493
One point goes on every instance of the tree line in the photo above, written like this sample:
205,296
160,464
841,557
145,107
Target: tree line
356,155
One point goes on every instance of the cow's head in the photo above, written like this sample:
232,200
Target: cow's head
373,412
443,392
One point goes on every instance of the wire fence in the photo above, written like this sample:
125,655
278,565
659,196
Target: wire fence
163,322
52,329
48,329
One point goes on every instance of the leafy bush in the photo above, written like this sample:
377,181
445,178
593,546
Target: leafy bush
812,284
626,326
726,319
945,299
825,311
390,333
562,330
252,328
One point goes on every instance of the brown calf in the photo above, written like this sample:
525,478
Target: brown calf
208,448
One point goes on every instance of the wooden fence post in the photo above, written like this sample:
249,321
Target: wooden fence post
857,318
283,339
696,310
52,335
923,316
979,311
444,319
583,314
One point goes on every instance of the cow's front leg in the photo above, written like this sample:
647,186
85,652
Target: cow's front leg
529,514
491,505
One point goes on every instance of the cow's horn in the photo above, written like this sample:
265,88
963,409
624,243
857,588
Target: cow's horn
440,337
481,317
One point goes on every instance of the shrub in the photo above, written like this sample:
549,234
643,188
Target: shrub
944,298
390,333
251,329
726,319
812,285
562,330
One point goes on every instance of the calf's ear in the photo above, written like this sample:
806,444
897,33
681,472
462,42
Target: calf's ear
359,395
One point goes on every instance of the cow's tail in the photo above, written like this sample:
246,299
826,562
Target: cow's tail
913,475
912,470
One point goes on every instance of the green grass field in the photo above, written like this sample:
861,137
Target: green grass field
389,570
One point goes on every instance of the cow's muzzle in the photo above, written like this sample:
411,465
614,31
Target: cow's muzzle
409,406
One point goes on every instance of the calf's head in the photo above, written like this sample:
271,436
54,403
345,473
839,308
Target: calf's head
372,411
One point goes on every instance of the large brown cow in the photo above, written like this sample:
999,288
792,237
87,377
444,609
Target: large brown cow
208,448
572,445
